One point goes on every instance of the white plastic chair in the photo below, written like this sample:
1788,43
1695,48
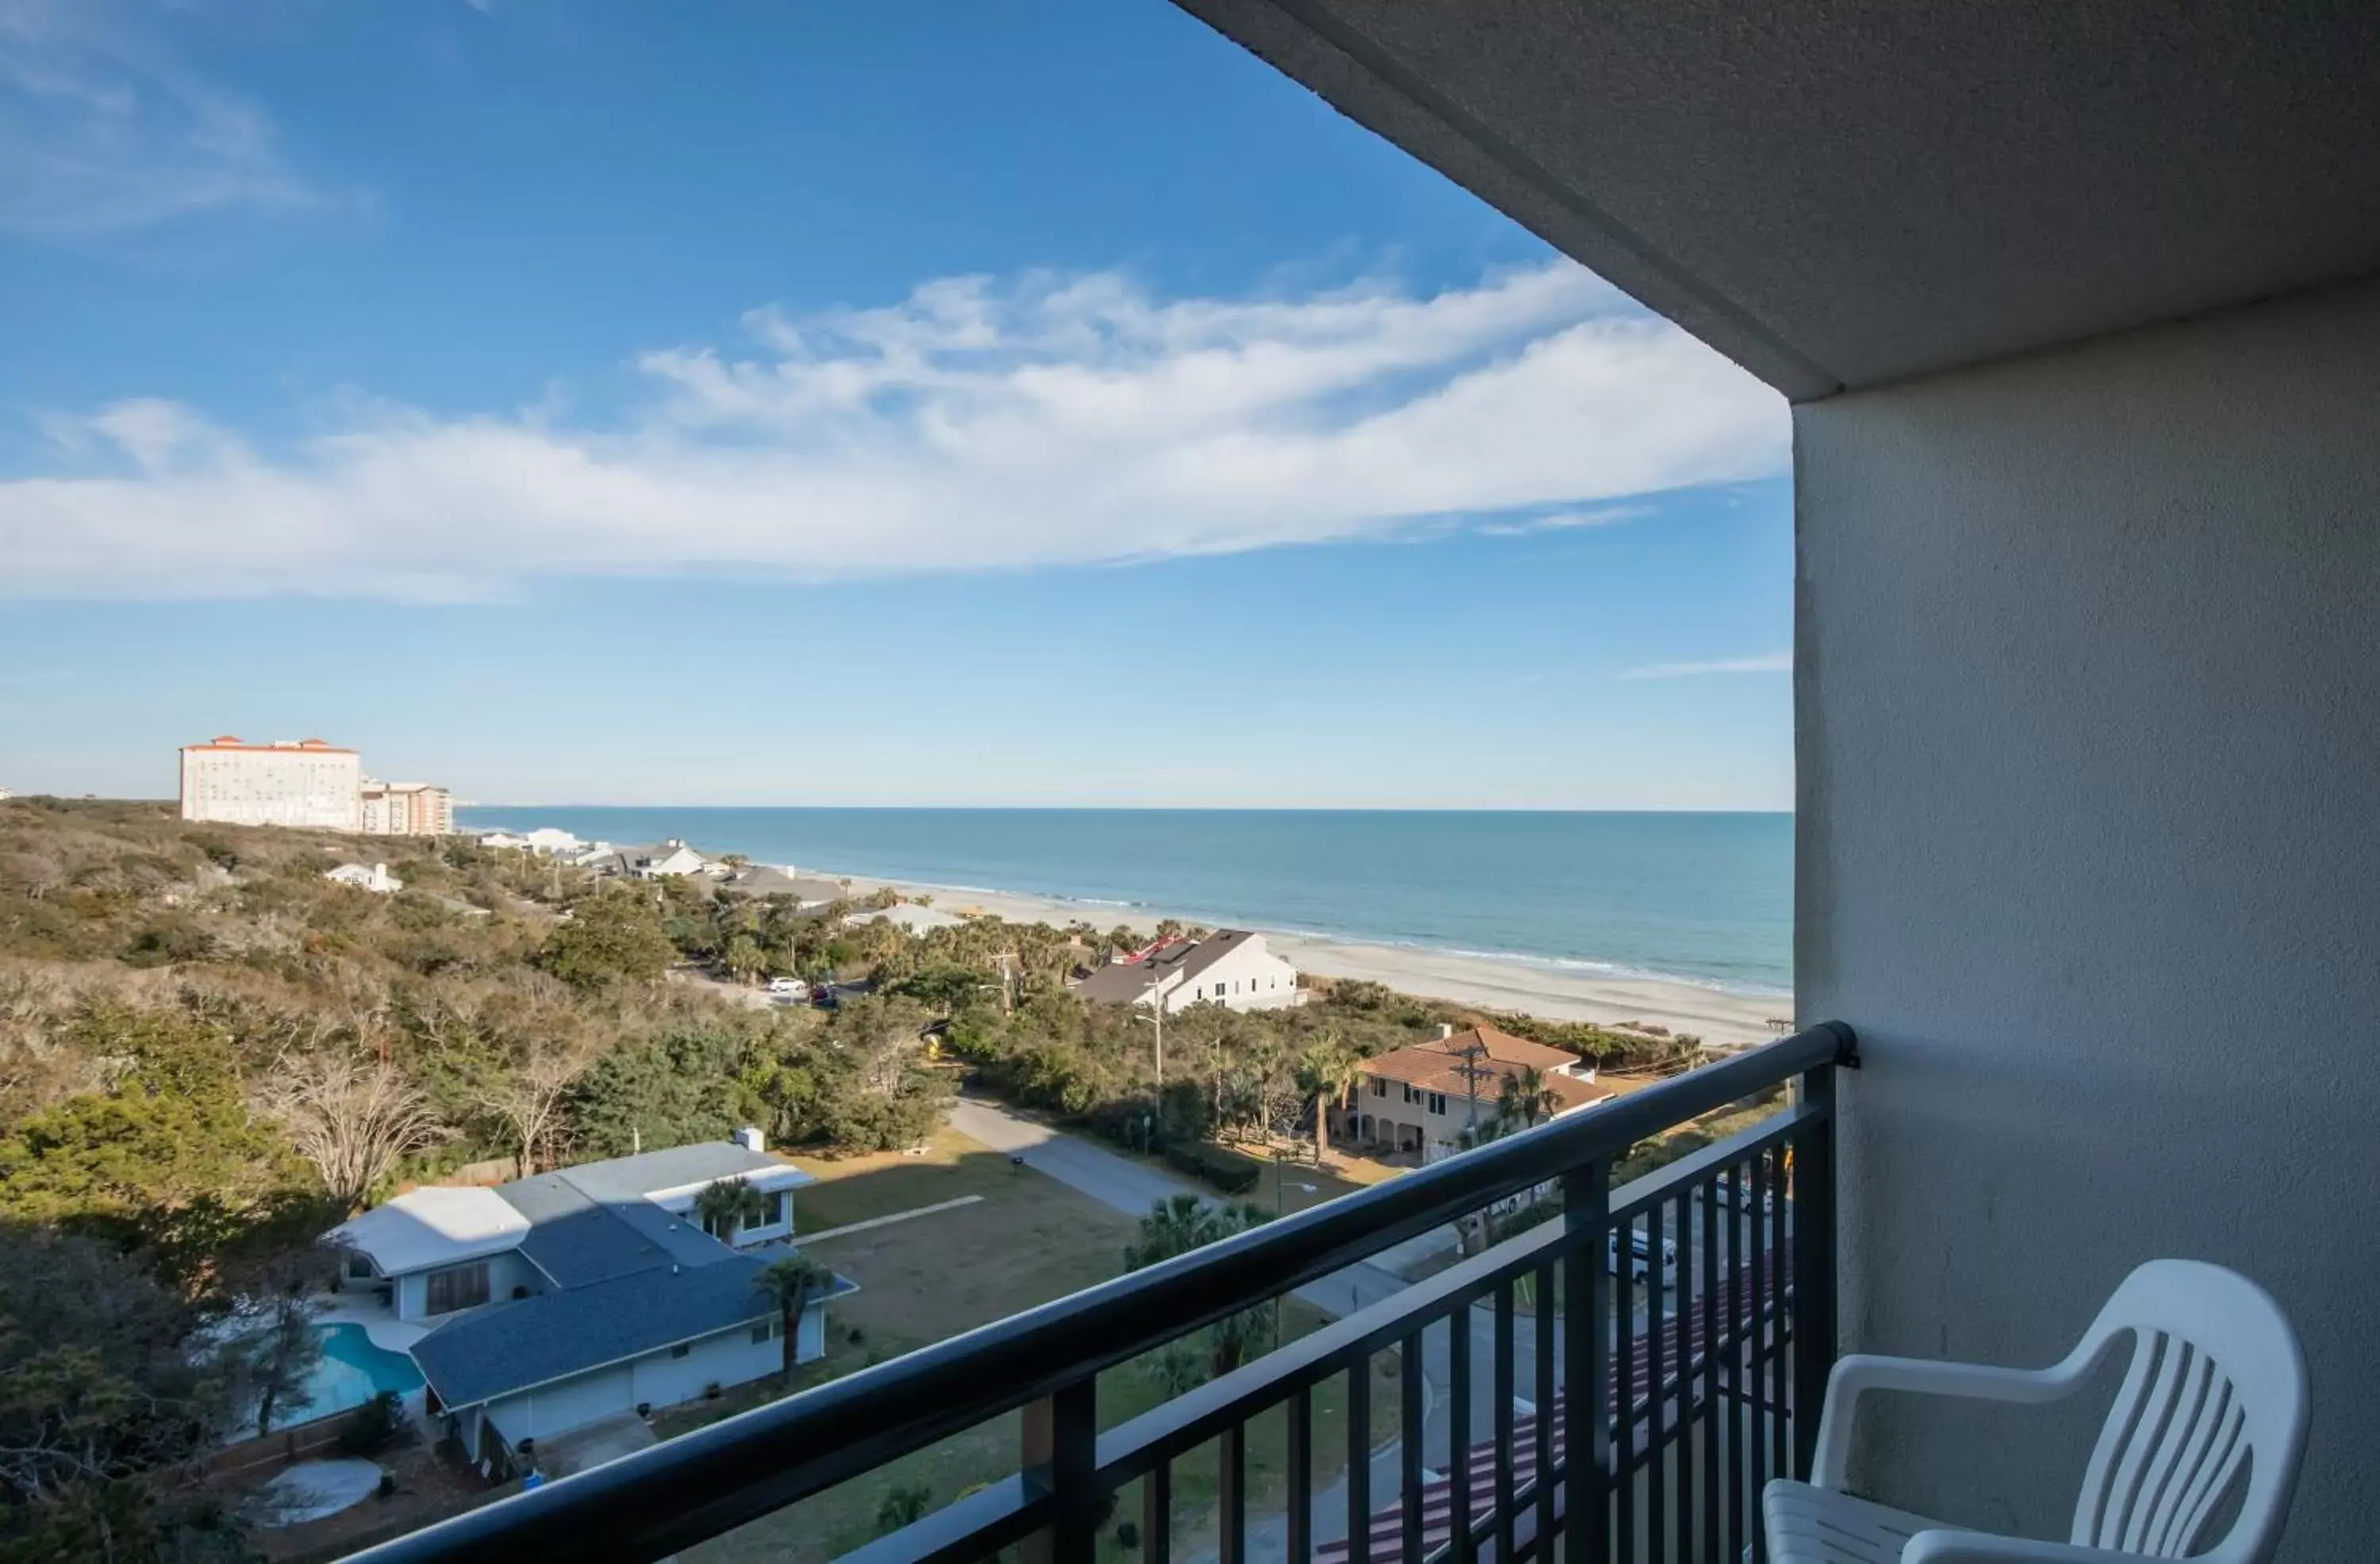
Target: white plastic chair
2216,1381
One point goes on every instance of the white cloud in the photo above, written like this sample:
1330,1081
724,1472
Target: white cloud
1766,663
103,132
975,425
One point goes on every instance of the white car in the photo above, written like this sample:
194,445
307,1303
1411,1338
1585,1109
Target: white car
789,986
1640,1256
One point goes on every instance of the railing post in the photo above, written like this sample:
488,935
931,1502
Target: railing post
1587,1366
1061,1438
1813,1210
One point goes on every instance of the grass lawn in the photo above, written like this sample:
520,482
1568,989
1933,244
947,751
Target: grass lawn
1027,1241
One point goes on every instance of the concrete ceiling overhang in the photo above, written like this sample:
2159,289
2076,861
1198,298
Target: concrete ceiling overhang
1836,193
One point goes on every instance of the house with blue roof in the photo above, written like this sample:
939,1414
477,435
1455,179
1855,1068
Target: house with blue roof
541,1305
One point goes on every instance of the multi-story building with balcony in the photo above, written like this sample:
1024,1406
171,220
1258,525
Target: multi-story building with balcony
407,808
305,783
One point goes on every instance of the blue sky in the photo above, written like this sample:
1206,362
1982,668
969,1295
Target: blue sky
908,404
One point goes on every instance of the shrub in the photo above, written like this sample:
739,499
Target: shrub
1127,1534
373,1426
1230,1172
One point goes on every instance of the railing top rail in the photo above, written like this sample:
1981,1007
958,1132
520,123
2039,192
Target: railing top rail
703,1484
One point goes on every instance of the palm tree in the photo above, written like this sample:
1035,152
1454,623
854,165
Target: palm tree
727,1206
1528,1098
793,1283
1184,1223
903,1504
1330,1072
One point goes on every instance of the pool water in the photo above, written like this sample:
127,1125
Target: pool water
353,1371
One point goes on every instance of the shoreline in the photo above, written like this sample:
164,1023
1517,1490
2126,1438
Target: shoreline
1719,1018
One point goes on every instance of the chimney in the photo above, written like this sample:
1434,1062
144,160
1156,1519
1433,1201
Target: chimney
749,1138
1445,1030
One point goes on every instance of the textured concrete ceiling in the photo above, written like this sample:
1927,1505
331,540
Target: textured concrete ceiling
1838,192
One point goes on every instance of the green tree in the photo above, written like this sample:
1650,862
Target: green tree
793,1284
1185,1223
903,1504
729,1204
612,938
1528,1098
670,1090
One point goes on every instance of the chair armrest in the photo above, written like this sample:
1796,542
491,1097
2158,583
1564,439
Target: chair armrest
1948,1546
1860,1372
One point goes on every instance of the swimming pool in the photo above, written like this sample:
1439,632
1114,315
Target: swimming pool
353,1371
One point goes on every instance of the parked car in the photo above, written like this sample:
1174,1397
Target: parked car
787,986
1724,1190
1640,1256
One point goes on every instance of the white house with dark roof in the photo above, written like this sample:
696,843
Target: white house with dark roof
542,1305
1231,967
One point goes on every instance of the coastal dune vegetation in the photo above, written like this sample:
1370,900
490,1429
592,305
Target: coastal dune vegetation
210,1053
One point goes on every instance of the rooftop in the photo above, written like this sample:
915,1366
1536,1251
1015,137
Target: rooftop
428,1227
527,1342
1437,1066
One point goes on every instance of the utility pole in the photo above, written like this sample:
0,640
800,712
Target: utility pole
1157,1004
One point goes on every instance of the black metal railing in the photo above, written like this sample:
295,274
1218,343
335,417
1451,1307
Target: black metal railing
1691,1311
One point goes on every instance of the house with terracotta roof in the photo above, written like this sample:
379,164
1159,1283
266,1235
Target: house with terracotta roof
1421,1101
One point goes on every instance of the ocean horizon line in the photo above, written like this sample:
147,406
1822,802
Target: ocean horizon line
1700,899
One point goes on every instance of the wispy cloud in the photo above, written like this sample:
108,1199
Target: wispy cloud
103,131
975,425
1602,516
1766,663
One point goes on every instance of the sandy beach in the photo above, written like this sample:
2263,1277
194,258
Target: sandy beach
1535,989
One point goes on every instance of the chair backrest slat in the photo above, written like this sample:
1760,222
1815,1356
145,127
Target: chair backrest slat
2190,1465
2216,1387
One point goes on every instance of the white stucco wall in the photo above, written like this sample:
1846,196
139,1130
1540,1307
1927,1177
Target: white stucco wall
1263,981
2089,727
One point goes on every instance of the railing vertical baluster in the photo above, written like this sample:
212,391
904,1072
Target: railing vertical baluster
1587,1366
1624,1380
1781,1364
1458,1430
1359,1460
1715,1217
1657,1444
1504,1420
1156,1516
1682,1365
1755,1356
1738,1404
1814,1263
1232,1494
1410,1429
1062,1432
1301,1475
1542,1393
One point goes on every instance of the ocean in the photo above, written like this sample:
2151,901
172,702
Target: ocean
1698,898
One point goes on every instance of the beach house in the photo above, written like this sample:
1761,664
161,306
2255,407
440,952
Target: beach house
1426,1099
1230,967
373,877
543,1304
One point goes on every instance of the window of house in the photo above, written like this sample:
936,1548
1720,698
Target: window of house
775,1212
759,1334
1379,1087
1438,1102
681,1349
358,1268
458,1287
1409,1093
